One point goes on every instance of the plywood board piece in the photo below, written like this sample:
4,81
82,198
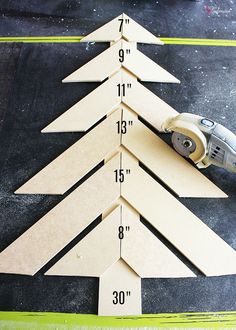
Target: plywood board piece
145,253
121,54
119,291
85,113
74,163
177,173
35,247
122,27
203,247
95,253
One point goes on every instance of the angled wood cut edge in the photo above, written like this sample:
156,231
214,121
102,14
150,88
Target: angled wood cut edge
177,173
35,247
197,242
119,278
145,253
95,253
88,111
74,163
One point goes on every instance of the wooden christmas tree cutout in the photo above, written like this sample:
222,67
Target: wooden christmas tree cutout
120,250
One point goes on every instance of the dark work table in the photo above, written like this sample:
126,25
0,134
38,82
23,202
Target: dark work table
32,96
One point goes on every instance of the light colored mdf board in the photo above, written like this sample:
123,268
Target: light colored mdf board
95,106
145,253
146,104
132,31
197,242
122,26
74,163
143,67
119,284
85,113
166,163
95,253
34,248
177,173
112,59
107,32
100,67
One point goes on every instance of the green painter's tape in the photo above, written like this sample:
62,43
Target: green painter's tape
168,41
49,321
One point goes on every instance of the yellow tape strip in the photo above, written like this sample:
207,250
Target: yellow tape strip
62,321
168,41
199,42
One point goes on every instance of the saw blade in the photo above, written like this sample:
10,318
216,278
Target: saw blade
183,144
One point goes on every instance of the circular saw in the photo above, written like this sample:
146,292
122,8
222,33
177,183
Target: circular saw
202,140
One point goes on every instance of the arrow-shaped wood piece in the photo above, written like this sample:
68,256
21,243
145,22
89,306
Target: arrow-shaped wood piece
121,54
120,234
119,291
122,27
120,88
